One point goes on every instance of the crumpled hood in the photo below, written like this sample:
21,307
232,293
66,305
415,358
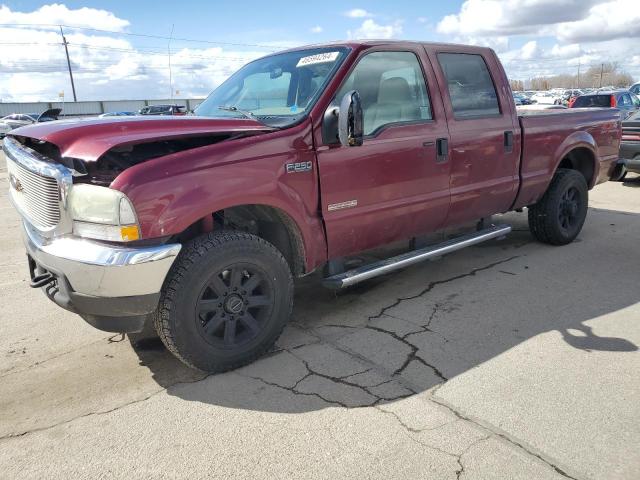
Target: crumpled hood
90,138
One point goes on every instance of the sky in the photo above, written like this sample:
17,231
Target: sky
122,49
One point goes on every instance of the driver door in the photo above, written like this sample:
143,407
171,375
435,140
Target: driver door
395,186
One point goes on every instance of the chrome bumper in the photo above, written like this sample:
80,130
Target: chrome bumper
102,270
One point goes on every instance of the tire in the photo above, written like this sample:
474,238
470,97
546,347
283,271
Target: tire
619,173
560,214
225,301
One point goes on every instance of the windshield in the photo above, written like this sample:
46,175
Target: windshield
277,90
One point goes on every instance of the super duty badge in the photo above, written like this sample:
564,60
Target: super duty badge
298,167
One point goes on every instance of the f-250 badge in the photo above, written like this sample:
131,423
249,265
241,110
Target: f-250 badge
299,167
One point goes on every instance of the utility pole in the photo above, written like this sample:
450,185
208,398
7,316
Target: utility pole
66,50
169,51
578,80
601,71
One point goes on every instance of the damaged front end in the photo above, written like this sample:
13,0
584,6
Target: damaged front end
117,159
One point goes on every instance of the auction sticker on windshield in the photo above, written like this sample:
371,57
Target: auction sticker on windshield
318,58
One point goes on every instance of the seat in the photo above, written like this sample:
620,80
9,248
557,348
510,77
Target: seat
395,104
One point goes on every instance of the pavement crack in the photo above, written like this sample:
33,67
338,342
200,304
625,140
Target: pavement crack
48,359
413,354
436,283
295,391
503,435
71,420
101,412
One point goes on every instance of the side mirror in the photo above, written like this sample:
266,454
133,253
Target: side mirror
350,120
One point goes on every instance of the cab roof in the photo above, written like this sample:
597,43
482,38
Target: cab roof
382,42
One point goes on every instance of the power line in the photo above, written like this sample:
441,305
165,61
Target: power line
143,35
124,50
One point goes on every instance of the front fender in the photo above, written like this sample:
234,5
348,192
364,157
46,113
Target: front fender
173,192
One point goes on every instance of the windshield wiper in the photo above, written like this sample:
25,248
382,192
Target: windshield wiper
245,113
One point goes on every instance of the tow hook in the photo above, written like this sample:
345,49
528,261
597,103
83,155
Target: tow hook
41,280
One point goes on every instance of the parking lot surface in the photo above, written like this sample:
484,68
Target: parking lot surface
507,360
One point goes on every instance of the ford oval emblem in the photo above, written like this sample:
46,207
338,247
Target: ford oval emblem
15,183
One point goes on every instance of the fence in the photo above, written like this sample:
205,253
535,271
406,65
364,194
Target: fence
92,108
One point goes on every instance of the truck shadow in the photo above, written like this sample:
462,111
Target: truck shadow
406,333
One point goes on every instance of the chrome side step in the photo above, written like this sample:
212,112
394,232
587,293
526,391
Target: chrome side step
365,272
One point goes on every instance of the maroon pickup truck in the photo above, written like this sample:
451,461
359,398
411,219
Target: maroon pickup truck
298,161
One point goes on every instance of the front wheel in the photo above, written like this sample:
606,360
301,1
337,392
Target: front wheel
225,302
560,214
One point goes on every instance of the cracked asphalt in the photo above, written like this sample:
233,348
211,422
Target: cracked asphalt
507,360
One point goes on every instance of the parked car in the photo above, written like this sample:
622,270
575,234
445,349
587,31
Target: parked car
202,222
17,120
163,110
520,99
569,96
547,98
635,88
117,114
629,148
620,99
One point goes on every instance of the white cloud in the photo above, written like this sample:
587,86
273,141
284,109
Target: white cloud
559,36
57,14
508,17
499,44
605,21
371,30
316,29
105,66
357,13
566,51
529,50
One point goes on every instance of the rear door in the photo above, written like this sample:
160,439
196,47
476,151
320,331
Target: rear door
395,185
484,131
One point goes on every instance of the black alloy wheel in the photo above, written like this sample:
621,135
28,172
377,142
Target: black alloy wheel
557,218
233,305
225,301
568,209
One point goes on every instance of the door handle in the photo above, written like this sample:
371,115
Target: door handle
508,141
442,150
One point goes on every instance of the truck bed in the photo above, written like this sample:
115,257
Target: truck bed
550,134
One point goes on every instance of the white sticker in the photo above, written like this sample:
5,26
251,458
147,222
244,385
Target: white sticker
319,58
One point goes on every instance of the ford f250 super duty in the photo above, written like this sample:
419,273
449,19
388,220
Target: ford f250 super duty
298,161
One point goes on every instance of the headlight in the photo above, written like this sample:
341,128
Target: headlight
102,213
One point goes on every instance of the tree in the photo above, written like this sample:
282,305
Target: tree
605,74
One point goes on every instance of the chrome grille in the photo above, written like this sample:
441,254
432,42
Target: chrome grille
37,196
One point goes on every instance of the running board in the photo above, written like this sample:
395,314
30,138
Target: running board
365,272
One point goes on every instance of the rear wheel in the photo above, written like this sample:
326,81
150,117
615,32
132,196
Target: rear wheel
560,214
225,301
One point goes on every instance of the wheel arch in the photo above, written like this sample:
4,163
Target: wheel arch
578,152
269,222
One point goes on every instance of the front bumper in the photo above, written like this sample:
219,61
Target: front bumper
112,287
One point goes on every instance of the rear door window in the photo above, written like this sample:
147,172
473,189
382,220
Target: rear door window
593,101
470,85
